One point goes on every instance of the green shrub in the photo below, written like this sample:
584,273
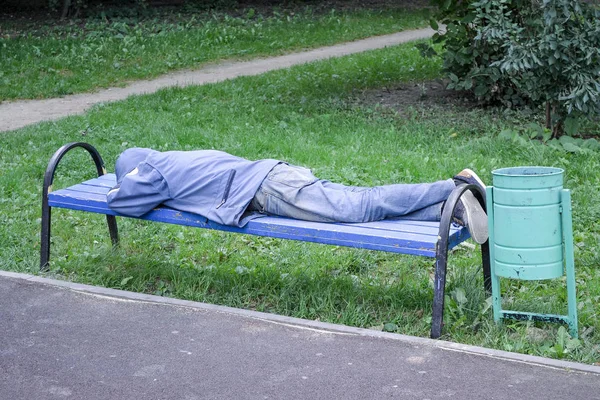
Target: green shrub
525,52
469,60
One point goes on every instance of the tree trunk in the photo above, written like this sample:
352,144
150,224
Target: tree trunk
558,130
558,125
65,9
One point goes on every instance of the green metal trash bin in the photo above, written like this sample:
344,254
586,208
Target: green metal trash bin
531,234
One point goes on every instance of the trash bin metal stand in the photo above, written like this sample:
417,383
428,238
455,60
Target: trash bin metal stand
567,232
567,221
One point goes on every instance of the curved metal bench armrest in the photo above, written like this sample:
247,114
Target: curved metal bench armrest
59,154
441,260
47,188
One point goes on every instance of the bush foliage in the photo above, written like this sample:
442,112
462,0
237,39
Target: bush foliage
525,52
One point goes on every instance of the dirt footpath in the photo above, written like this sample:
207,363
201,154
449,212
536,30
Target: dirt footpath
17,114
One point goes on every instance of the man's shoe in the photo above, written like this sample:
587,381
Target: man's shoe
470,214
469,177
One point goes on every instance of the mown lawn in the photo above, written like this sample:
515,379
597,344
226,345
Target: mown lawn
51,58
311,115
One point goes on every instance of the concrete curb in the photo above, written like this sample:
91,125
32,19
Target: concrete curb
17,114
307,324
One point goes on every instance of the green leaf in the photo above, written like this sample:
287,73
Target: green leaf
487,305
573,344
555,144
571,147
591,144
571,125
566,139
507,134
467,19
460,295
520,139
124,281
480,90
426,50
546,135
390,327
535,130
433,23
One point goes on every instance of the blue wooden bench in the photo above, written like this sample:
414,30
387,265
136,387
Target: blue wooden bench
422,238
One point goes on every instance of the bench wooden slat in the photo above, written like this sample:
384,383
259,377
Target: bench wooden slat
85,188
397,236
103,181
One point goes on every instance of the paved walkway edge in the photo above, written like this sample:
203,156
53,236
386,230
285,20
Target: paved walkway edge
308,324
20,113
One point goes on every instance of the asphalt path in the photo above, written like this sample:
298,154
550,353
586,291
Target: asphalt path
60,340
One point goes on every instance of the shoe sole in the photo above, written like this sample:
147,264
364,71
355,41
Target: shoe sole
477,221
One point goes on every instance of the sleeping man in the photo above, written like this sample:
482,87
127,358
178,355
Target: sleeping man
231,190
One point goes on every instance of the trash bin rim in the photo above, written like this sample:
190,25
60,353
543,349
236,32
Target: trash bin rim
528,171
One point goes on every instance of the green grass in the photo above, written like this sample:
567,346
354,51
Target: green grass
50,59
308,115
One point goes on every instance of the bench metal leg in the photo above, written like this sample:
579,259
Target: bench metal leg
441,260
47,210
485,260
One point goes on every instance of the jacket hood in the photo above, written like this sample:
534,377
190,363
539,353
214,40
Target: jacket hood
128,160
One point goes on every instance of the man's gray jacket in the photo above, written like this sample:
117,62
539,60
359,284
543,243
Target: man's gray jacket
213,184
